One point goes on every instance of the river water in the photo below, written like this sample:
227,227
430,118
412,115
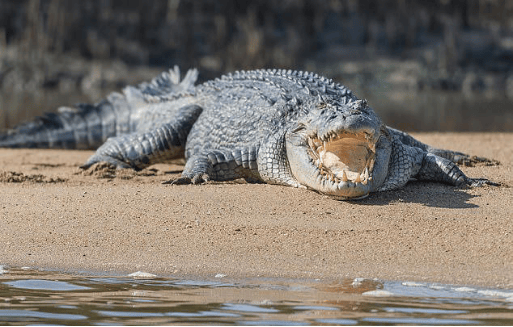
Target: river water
32,296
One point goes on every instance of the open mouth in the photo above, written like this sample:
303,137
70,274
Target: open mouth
348,158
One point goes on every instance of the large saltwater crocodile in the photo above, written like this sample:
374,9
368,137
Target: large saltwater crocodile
275,126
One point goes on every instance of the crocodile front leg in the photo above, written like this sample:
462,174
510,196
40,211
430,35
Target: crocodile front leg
142,149
220,165
267,163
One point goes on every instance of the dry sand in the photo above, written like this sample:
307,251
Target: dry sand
52,215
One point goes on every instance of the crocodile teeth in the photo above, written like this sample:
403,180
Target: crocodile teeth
311,143
365,176
344,176
371,163
358,179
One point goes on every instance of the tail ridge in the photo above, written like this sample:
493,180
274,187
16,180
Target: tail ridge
88,126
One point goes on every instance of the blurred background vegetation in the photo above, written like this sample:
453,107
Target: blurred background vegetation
422,64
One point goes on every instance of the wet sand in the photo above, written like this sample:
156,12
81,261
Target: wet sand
53,215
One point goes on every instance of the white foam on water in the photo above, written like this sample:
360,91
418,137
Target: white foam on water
413,284
464,289
219,276
493,293
142,274
378,293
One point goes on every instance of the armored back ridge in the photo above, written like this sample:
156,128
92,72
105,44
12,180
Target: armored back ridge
275,126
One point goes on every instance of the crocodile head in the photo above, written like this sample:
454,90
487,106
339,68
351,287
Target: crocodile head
340,150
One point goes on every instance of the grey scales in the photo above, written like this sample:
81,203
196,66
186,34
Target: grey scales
274,126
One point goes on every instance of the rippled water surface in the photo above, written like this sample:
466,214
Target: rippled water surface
29,296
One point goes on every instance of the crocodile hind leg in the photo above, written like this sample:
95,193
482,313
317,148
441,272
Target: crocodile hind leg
454,156
440,169
141,149
415,162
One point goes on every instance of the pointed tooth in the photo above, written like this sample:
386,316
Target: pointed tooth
371,163
311,143
344,176
322,153
358,179
365,176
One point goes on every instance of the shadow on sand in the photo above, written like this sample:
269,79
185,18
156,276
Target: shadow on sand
429,194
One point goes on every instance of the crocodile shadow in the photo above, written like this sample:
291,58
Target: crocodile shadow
426,193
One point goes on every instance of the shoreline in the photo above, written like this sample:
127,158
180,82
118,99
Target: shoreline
54,216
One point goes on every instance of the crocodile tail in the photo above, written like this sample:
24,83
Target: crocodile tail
83,127
88,126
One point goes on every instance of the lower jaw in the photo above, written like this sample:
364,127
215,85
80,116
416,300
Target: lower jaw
346,191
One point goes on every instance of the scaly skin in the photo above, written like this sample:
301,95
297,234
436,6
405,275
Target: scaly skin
274,126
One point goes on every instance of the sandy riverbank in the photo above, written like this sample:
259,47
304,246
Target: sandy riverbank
55,216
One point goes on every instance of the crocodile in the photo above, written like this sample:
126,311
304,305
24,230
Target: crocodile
274,126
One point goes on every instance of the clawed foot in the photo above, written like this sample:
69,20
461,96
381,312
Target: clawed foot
104,159
184,180
479,182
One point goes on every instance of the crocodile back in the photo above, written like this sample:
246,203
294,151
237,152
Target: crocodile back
245,108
